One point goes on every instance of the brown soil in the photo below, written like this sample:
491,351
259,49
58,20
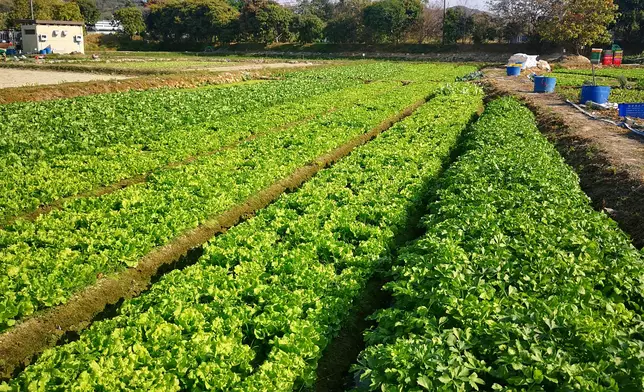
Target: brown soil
71,90
574,62
21,344
28,77
609,160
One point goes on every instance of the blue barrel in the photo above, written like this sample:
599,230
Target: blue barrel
544,84
597,94
513,71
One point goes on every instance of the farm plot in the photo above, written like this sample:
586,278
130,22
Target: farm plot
46,260
518,283
631,89
256,311
103,139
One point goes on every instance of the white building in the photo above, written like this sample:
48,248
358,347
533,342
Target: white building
59,36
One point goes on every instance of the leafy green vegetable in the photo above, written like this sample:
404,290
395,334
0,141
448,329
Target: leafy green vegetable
518,284
43,263
256,311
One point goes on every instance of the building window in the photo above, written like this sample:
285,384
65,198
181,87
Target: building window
30,32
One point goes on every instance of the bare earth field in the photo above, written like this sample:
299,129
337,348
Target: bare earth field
23,77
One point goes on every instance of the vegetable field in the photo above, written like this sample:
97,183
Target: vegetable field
514,284
627,84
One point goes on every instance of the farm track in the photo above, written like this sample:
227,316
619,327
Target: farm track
142,178
22,343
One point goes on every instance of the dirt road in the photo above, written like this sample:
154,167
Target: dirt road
23,77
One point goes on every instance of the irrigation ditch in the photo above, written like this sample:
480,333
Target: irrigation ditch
23,343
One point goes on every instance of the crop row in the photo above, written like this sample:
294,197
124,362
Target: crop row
258,308
97,141
83,146
636,74
518,284
27,187
43,262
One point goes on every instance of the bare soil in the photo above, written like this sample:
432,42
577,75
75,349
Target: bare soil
20,345
78,89
24,77
608,159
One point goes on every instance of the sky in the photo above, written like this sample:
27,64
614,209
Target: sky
478,4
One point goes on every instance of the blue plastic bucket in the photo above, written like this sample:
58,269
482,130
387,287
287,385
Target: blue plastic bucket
43,51
544,84
513,71
48,50
597,94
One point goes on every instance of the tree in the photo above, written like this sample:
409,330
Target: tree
630,23
196,20
484,28
88,10
457,25
44,9
323,9
522,16
265,21
67,11
4,20
343,29
346,25
131,18
389,20
309,28
429,24
580,22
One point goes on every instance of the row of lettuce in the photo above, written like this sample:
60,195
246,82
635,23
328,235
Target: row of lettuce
55,149
257,310
517,283
44,262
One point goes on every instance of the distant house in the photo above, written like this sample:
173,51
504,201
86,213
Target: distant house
105,27
55,36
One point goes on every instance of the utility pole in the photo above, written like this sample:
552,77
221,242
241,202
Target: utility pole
444,18
31,3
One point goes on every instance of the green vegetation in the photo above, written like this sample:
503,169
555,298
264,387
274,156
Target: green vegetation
632,91
47,260
256,311
518,284
102,139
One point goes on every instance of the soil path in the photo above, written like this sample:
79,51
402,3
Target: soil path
608,159
24,77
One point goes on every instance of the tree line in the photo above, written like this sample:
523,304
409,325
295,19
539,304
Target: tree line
573,22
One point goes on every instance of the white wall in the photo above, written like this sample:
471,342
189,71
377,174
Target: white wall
60,38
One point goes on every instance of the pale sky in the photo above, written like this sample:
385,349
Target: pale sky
479,4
